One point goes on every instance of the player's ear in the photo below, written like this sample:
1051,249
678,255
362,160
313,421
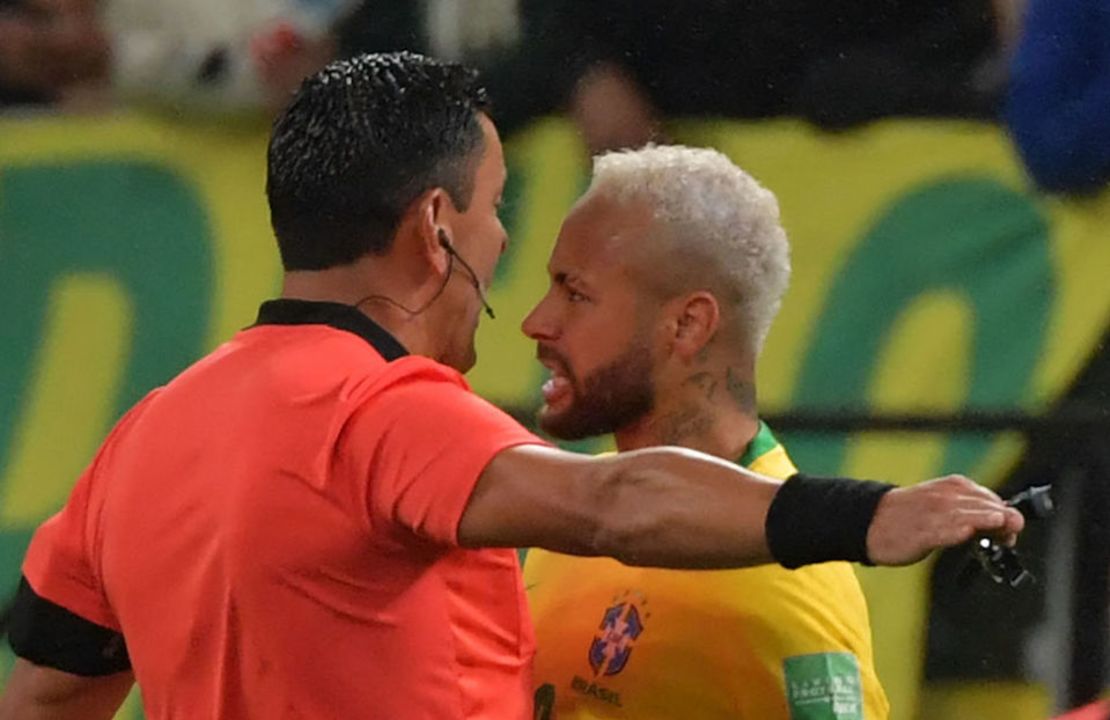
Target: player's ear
697,317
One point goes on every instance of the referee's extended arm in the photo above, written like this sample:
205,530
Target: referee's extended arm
672,507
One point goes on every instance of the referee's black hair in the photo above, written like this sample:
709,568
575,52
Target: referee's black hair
361,140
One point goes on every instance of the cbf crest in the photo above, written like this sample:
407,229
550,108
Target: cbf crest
620,628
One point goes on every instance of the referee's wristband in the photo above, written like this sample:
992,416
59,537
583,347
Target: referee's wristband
815,520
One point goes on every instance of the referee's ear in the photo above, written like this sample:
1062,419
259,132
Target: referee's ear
423,222
695,318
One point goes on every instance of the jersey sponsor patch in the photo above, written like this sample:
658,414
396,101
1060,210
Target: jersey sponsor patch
823,686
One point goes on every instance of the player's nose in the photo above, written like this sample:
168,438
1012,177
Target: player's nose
540,323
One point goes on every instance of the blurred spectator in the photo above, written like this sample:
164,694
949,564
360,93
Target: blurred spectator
487,34
209,55
624,65
51,51
251,55
219,56
377,26
896,58
993,74
1058,109
472,31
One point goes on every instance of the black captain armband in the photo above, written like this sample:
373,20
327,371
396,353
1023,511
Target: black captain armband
814,520
47,634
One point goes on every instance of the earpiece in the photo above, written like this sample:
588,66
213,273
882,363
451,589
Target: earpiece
446,244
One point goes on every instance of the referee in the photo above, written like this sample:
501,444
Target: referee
317,519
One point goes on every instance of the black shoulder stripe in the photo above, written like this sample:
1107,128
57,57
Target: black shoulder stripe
47,634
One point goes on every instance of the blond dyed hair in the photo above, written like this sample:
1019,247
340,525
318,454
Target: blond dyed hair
720,228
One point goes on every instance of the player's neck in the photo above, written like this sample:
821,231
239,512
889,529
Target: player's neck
726,437
712,410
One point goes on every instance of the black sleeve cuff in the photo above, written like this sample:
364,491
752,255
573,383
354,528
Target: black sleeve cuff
815,520
47,634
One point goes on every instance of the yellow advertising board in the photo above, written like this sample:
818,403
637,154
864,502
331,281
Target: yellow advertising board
927,277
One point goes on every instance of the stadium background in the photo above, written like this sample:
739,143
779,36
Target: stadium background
928,278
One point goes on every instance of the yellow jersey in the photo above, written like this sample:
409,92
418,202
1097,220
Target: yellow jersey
763,643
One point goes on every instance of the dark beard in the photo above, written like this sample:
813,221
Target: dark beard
611,398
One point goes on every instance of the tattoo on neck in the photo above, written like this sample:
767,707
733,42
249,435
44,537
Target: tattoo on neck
684,423
705,382
742,392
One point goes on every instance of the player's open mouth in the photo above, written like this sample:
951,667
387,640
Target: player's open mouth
558,388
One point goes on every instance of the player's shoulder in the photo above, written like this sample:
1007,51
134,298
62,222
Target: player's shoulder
777,592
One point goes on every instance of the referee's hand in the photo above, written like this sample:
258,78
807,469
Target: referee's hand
911,522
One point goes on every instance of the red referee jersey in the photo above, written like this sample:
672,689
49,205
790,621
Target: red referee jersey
274,535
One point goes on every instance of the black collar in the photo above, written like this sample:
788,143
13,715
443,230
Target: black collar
336,315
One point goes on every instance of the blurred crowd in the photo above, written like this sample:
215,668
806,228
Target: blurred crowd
619,68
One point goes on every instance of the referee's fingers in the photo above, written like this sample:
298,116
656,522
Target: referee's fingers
912,521
957,492
1009,521
969,488
965,523
1015,523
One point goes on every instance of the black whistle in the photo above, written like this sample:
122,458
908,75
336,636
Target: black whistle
1000,562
